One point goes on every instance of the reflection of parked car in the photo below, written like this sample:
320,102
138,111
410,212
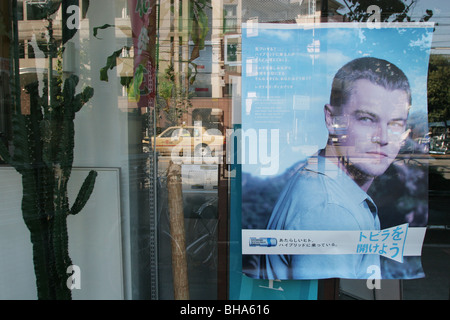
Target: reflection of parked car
198,141
439,144
146,144
422,144
340,127
417,145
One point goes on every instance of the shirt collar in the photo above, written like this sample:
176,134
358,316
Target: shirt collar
329,167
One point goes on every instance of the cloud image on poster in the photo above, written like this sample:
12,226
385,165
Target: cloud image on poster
337,109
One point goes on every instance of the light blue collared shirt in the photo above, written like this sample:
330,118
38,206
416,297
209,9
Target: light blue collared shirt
321,196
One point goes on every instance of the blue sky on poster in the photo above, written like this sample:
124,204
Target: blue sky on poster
298,64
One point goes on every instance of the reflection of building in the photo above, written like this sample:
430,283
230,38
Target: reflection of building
33,48
219,66
210,88
291,11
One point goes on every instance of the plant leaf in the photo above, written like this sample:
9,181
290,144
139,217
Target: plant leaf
105,26
84,193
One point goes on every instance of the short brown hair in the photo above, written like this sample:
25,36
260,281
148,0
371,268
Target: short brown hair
377,71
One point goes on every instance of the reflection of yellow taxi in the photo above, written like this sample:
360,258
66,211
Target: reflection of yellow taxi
196,141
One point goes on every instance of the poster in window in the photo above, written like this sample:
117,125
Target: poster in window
334,176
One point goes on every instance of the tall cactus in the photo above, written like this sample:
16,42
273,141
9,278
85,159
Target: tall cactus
43,155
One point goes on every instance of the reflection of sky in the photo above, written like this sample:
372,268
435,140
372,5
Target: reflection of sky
296,82
441,15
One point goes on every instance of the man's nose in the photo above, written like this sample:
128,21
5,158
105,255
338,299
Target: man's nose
381,135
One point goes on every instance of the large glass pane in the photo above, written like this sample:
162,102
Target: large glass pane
76,139
120,138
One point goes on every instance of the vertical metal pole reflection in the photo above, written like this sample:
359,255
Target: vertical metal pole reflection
154,179
15,68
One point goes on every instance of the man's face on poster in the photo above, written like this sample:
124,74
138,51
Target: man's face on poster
376,122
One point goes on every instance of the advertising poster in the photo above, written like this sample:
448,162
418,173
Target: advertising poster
334,177
143,22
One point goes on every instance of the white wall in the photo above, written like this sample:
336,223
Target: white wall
100,235
101,128
94,239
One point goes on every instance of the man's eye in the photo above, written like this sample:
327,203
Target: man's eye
365,119
397,124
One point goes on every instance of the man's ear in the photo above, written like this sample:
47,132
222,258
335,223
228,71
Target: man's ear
329,111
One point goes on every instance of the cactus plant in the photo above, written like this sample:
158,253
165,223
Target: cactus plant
43,155
43,141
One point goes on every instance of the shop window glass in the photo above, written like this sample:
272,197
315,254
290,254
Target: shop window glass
147,190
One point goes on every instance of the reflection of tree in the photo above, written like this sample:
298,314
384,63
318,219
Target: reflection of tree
173,87
438,88
390,10
401,195
258,199
173,98
260,195
198,29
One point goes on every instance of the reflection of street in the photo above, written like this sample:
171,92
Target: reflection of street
442,164
439,189
163,161
439,200
436,247
202,232
200,200
435,257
